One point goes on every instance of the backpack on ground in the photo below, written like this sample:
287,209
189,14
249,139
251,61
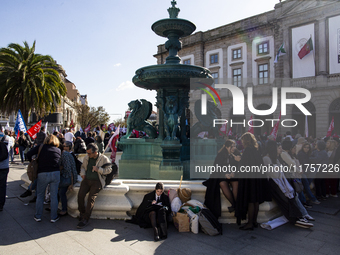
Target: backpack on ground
209,223
112,175
3,150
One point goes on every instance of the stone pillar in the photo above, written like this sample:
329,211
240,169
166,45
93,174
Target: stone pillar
321,50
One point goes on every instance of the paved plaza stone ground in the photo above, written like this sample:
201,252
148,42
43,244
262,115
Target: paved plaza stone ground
20,234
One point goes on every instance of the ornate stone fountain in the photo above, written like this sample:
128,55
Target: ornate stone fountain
167,156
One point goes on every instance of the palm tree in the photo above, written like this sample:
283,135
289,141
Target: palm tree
29,81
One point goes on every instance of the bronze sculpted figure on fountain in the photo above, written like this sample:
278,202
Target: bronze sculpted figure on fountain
171,118
140,111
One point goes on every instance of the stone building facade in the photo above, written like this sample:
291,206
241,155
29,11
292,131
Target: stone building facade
243,53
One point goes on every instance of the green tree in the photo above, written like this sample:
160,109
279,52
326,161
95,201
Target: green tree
91,115
29,81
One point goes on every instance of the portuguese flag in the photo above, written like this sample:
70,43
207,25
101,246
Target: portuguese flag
308,47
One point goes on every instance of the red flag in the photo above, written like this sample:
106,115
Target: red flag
88,128
308,47
223,128
276,127
111,127
230,133
72,125
251,128
331,128
34,130
335,135
136,132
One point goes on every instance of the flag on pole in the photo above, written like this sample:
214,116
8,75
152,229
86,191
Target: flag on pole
46,124
113,144
7,126
111,126
72,125
280,52
306,127
308,47
104,128
32,132
331,128
230,132
223,128
251,128
276,127
20,124
88,128
335,135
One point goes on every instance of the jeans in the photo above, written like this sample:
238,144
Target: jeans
45,178
3,185
11,153
62,192
306,183
21,152
302,209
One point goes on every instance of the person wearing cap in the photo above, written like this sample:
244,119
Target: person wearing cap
4,169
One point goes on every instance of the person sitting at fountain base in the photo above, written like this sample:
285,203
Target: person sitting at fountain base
93,170
153,212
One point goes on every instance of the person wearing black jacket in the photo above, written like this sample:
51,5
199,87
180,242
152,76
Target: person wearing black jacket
89,138
48,173
252,190
228,155
153,212
79,145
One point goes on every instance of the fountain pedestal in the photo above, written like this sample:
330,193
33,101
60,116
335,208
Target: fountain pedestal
171,80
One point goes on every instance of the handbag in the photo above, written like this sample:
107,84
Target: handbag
32,168
181,221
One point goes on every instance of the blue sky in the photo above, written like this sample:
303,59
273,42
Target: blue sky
101,43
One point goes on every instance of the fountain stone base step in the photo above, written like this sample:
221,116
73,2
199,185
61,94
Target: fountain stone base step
121,198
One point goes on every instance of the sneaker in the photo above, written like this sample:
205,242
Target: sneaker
303,223
33,200
82,224
317,202
327,196
334,195
308,217
55,220
27,193
37,219
47,202
307,205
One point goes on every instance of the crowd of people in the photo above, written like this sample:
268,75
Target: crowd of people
59,168
294,191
